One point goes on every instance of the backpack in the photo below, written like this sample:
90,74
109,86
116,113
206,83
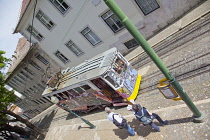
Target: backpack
145,119
119,125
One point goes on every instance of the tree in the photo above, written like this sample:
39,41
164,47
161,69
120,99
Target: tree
6,116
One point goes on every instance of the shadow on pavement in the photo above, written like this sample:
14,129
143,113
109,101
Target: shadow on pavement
81,114
94,111
80,127
182,120
45,122
140,129
146,130
122,133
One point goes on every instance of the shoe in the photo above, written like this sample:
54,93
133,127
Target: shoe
165,122
135,134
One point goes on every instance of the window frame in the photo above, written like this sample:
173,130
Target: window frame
44,17
25,74
35,65
112,16
88,32
41,59
29,71
72,46
35,33
60,58
57,7
133,45
152,9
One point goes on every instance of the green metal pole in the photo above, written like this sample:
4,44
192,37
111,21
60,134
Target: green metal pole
147,48
86,121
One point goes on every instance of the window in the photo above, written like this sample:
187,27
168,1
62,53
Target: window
111,81
85,87
61,57
29,71
38,101
112,21
60,5
35,102
21,77
41,58
31,89
13,84
147,6
42,100
26,75
41,86
90,36
74,48
131,43
28,91
43,82
14,81
35,65
35,33
17,80
45,20
73,93
79,90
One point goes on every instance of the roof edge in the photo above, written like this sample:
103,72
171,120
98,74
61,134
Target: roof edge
16,31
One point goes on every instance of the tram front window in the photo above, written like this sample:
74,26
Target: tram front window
114,79
119,66
111,81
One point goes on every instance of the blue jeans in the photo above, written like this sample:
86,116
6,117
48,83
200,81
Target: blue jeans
129,129
155,126
160,121
158,118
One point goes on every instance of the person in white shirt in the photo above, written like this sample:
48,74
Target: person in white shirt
119,118
130,104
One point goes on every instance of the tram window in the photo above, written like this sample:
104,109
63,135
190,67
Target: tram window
56,95
86,87
73,92
62,96
79,90
111,81
66,93
119,66
48,97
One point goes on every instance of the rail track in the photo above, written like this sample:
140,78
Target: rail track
175,41
186,59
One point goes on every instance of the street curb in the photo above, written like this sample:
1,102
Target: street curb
155,111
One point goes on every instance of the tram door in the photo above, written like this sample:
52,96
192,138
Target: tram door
110,93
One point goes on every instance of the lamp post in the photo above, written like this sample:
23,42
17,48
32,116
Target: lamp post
56,101
198,116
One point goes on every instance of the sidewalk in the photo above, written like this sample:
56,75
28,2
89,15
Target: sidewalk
180,127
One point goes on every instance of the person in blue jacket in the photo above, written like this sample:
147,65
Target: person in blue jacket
144,116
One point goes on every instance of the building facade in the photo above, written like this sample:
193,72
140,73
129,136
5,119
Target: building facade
29,71
73,31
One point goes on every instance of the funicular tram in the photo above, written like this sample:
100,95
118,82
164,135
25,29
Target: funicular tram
106,79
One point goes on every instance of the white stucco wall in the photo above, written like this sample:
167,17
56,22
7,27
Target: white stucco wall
84,13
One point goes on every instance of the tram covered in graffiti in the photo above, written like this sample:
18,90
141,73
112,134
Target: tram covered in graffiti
106,79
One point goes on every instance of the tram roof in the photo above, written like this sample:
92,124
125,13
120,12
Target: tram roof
89,69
